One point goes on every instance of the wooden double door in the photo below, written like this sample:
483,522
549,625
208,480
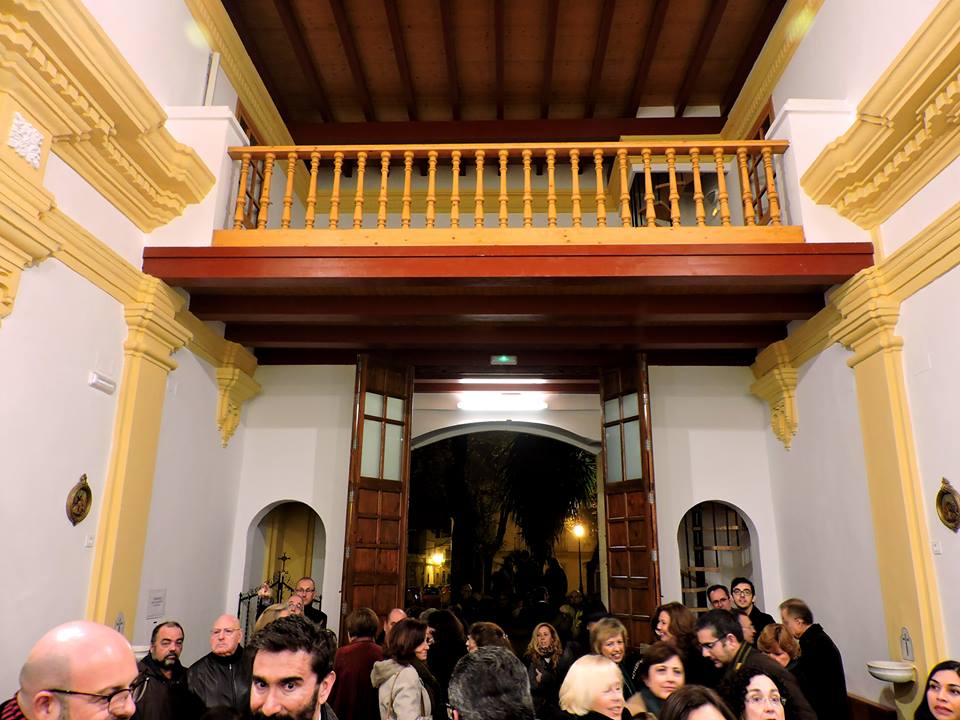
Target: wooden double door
376,540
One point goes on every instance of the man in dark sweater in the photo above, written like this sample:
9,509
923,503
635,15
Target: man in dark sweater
744,597
222,678
167,696
721,640
820,667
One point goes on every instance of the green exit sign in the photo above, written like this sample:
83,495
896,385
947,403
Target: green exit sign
503,359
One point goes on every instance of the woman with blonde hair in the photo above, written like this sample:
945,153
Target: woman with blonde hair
777,642
609,638
593,689
543,655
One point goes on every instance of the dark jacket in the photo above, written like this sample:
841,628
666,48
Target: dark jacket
820,674
760,619
166,699
625,715
221,681
545,689
353,695
797,707
315,615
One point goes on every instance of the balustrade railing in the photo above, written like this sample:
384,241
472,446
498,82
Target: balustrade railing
526,186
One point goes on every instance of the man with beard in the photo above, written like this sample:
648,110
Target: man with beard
221,678
167,696
292,670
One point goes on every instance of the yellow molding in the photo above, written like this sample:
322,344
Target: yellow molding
607,236
791,27
62,66
777,387
905,131
222,37
236,387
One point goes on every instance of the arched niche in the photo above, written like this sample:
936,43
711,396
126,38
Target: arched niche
717,542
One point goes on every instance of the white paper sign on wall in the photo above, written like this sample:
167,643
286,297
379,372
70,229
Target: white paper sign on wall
156,604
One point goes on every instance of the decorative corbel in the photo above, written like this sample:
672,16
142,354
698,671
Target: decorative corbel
236,387
869,316
778,388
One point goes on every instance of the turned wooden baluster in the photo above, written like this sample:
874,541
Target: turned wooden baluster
382,198
674,192
242,192
504,197
551,189
625,219
358,198
601,198
697,187
575,217
431,214
722,196
527,193
288,191
311,211
478,195
265,191
335,193
407,200
648,197
772,196
455,190
748,213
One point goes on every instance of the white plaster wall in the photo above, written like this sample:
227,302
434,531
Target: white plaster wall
579,414
928,326
709,443
189,533
161,42
297,447
824,522
53,428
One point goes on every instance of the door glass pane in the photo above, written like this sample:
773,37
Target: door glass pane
370,452
631,405
614,468
373,405
631,448
392,451
394,408
611,409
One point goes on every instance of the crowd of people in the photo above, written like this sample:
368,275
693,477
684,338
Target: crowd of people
733,662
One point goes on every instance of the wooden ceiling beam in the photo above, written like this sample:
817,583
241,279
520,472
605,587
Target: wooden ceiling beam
449,49
295,35
765,23
353,59
498,339
707,33
512,131
550,45
599,52
654,28
499,25
400,53
632,309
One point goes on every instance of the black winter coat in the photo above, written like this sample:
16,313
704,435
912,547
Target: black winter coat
820,674
166,699
221,681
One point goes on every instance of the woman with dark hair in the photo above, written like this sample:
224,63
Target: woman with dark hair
447,645
543,655
755,695
695,702
406,688
675,624
482,634
942,701
659,674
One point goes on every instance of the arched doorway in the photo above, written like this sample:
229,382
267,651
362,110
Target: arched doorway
714,542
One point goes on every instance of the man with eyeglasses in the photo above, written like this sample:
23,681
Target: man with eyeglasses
744,595
80,670
721,641
221,678
167,695
307,590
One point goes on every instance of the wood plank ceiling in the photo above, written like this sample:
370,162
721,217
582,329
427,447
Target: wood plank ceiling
406,70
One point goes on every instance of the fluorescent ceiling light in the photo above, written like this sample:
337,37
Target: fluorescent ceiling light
503,381
494,401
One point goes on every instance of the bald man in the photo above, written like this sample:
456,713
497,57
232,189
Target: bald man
222,678
79,670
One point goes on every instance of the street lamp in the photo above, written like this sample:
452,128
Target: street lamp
578,533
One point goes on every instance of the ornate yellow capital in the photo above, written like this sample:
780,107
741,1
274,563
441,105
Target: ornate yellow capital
778,388
869,316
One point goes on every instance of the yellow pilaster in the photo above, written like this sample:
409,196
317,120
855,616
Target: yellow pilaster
908,578
153,335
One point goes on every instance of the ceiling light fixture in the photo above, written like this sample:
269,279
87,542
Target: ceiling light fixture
502,401
503,381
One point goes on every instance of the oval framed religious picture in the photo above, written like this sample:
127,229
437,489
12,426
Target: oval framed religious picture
948,505
79,500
